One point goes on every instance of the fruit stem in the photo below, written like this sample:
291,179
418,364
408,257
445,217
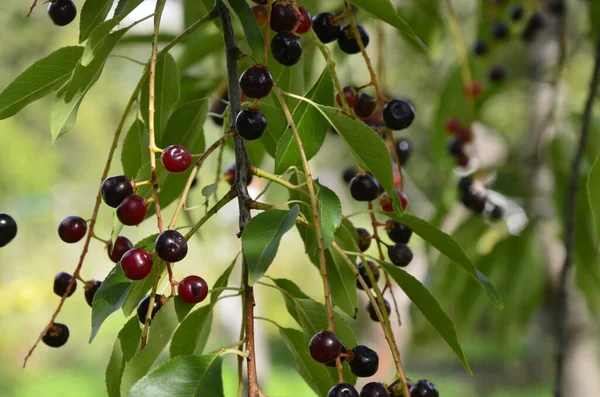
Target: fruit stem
277,179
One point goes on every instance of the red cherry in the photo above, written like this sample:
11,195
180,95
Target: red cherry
136,264
452,126
387,204
304,21
132,210
72,229
260,15
176,159
464,134
474,90
351,94
122,245
192,289
463,160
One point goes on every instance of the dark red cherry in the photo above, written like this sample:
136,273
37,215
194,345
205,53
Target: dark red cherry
90,291
56,336
424,388
176,159
8,229
171,246
342,390
398,114
374,389
61,283
400,254
283,17
62,12
132,210
115,189
373,314
364,187
122,245
364,361
326,30
304,21
192,289
72,229
348,42
136,264
362,270
142,308
364,239
397,232
324,347
256,82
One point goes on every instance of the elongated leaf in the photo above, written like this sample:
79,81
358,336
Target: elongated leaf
593,188
40,79
135,151
185,126
261,237
123,350
330,213
253,34
276,124
124,7
93,13
109,298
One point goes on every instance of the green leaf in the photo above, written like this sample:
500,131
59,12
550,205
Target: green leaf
125,7
185,126
276,124
330,213
253,34
261,237
135,152
190,376
116,229
40,79
93,13
123,350
426,303
593,188
594,16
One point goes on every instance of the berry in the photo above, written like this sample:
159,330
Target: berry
62,12
192,289
463,160
452,126
351,94
136,264
342,390
465,134
499,30
373,314
400,254
349,173
176,159
115,189
250,124
473,201
365,276
497,74
465,183
474,90
72,229
229,175
132,210
364,239
283,18
8,229
171,246
122,245
387,204
404,150
333,363
455,147
516,12
56,336
397,232
326,30
256,82
364,187
535,23
348,42
374,389
365,106
90,291
398,114
480,48
365,361
286,48
557,7
61,283
142,307
424,388
324,346
260,14
497,213
304,21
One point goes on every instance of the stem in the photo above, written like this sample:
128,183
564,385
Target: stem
277,179
220,204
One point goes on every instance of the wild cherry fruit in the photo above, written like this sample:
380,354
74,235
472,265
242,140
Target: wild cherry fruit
304,21
136,264
176,159
364,362
342,390
397,232
374,389
348,43
283,18
500,30
480,48
497,213
474,90
516,12
132,210
387,204
398,114
400,254
351,95
365,275
534,24
365,106
171,246
373,314
333,363
455,147
286,48
90,291
256,82
122,245
61,282
324,347
229,175
326,30
349,173
115,189
497,74
192,289
260,14
404,150
364,239
8,229
56,336
364,187
424,388
62,12
142,307
473,201
72,229
452,126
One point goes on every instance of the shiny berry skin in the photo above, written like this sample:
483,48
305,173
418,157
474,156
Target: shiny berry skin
62,12
463,160
324,347
304,21
500,30
387,204
516,12
256,82
400,254
171,246
192,289
365,276
283,18
455,147
132,210
342,390
397,232
260,15
424,388
57,335
365,361
8,229
404,150
364,239
250,124
333,363
452,126
497,74
349,173
364,188
90,291
351,94
365,106
136,264
142,307
115,189
286,48
61,282
325,30
373,314
465,183
122,245
398,114
176,159
374,389
72,229
348,43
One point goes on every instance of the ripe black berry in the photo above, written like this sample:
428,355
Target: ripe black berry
365,106
404,150
455,147
333,363
325,30
324,346
499,30
57,335
348,42
342,390
497,213
122,245
398,114
373,314
400,254
136,264
374,389
480,48
364,187
132,210
286,48
349,173
365,361
176,159
557,7
256,82
497,74
283,18
424,388
534,24
171,246
365,275
62,12
516,12
90,291
115,189
61,282
397,232
142,307
8,229
192,289
72,229
473,201
364,239
465,183
250,124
